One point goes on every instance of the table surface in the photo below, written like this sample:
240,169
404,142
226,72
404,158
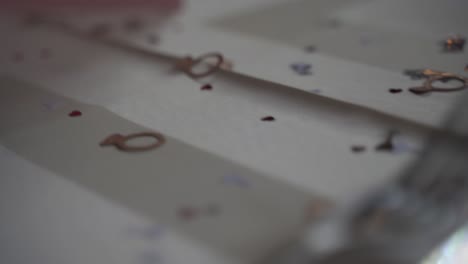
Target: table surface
345,102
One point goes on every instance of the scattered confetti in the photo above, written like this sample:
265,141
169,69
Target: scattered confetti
18,56
302,68
75,113
393,144
133,25
153,232
100,30
187,213
206,87
454,44
316,91
310,49
401,145
45,53
358,149
153,39
236,180
268,118
395,90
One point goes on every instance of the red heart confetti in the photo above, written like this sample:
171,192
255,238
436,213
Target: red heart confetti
268,119
206,87
358,149
187,213
395,90
75,113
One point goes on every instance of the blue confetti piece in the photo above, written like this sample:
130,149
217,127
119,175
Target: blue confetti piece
148,233
403,146
151,257
236,180
302,68
454,44
52,105
316,91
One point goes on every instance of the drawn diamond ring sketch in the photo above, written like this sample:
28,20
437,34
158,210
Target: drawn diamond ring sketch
432,76
120,141
188,64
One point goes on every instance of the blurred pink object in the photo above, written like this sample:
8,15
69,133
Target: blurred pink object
51,5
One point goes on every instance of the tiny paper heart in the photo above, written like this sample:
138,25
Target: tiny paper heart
395,90
207,87
75,113
268,119
187,213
